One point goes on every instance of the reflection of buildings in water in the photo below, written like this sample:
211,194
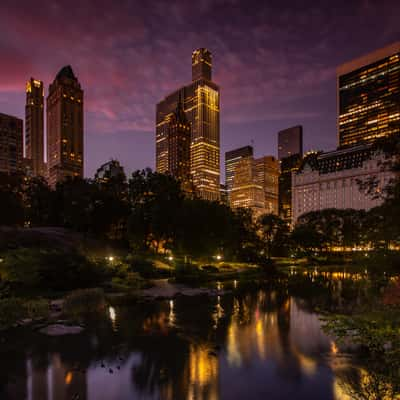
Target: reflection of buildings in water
218,312
55,381
203,373
287,335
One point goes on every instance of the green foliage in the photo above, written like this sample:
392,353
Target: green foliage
275,235
377,334
11,199
13,310
34,269
83,302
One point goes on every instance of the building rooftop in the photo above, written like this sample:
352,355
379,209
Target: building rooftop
369,58
337,160
66,72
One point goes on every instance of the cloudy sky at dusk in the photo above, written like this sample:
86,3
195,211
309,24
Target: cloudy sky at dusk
274,61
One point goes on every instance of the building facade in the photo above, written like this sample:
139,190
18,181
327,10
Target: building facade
288,165
11,144
34,127
109,170
255,185
64,127
368,95
179,138
232,158
290,142
290,151
200,102
331,180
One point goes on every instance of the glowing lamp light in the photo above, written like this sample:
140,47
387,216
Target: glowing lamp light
219,257
170,258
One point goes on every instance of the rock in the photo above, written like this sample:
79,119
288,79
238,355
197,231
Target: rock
60,330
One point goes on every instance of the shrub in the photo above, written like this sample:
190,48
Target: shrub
84,301
38,269
209,268
11,311
146,268
35,309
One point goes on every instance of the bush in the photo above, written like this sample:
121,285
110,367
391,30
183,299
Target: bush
146,268
14,309
210,268
35,309
11,311
84,301
42,270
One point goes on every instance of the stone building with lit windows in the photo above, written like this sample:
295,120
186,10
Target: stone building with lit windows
332,180
368,96
11,144
34,127
64,127
200,103
255,185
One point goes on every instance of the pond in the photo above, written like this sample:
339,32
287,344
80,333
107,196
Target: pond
255,341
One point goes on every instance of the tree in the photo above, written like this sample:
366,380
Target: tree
273,231
11,199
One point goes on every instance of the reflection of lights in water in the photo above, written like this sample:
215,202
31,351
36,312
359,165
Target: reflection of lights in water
307,364
334,348
219,312
235,283
171,316
203,373
68,378
233,353
219,286
113,316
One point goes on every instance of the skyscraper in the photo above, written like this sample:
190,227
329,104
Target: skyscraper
267,175
290,151
255,185
232,158
34,127
179,137
11,143
64,127
200,102
246,191
368,95
290,141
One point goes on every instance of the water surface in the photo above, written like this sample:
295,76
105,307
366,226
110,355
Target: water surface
256,342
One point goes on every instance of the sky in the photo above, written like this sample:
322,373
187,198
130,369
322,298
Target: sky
274,61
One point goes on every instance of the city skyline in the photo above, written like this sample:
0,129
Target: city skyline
279,78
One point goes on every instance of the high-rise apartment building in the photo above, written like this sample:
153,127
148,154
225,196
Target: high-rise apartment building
255,185
64,127
34,127
200,102
232,158
11,143
369,97
331,180
290,151
290,142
